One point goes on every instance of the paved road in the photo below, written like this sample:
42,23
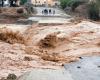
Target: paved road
88,68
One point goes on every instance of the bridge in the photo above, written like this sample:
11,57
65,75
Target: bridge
50,15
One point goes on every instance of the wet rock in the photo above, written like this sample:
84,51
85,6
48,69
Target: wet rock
11,77
27,58
80,58
20,10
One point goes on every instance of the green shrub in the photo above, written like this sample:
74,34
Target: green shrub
71,3
29,8
64,3
93,11
75,4
11,77
22,2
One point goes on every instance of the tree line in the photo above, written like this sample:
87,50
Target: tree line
93,7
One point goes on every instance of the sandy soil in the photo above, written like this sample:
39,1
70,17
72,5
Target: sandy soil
49,47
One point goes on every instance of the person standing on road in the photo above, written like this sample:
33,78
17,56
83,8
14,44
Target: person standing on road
42,12
53,12
46,11
49,11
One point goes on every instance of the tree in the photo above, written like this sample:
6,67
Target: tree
71,3
93,10
22,2
76,3
64,3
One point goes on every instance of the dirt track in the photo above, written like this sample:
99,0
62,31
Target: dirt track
49,47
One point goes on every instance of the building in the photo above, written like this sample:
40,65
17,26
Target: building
14,3
9,3
45,2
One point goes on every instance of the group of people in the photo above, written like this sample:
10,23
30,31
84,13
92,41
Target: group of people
48,11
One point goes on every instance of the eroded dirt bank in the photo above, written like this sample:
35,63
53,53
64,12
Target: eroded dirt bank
24,48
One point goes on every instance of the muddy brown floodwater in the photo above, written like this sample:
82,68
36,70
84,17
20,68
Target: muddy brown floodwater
46,47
